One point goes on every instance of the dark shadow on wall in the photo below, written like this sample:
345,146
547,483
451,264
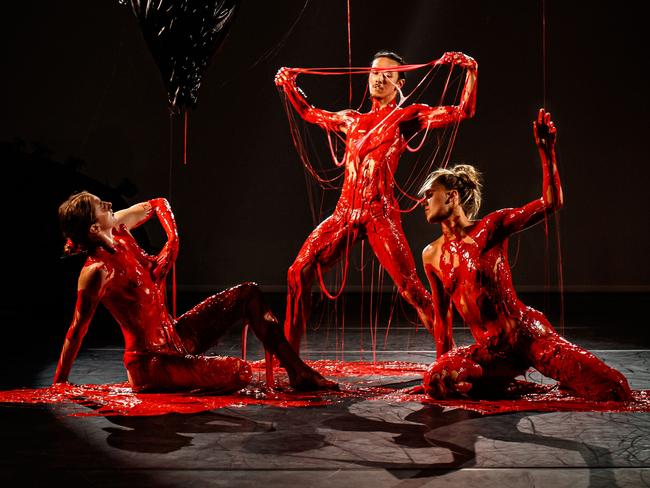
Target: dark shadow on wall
40,283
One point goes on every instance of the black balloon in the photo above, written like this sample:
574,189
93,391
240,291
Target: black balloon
183,36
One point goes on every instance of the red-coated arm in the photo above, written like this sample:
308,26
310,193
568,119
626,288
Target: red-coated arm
92,282
433,117
509,221
167,256
140,213
442,308
336,121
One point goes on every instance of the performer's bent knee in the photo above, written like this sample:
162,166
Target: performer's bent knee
249,289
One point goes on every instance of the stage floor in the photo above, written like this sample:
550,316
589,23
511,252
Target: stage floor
353,441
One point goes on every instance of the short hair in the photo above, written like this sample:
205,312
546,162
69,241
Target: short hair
401,75
76,215
463,178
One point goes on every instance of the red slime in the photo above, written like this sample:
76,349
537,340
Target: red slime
120,399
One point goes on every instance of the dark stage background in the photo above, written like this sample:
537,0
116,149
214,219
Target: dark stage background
84,107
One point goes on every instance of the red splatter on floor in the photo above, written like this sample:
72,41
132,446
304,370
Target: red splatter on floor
119,399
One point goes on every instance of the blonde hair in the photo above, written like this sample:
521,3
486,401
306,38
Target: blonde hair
463,178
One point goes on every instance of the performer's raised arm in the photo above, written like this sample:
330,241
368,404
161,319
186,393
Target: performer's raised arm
511,220
336,121
138,214
92,282
433,117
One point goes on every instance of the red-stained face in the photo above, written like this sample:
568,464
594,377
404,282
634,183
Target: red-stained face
383,84
437,204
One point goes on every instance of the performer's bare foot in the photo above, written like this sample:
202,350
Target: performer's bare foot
308,379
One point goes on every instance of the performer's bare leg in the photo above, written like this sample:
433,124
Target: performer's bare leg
325,246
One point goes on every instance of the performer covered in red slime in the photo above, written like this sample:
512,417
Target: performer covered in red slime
468,268
367,207
162,353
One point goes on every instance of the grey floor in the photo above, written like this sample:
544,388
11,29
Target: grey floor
354,442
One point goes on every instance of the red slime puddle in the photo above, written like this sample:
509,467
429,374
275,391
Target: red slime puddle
119,399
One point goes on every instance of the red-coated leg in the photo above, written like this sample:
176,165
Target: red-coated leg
577,369
387,239
325,246
162,372
572,366
201,328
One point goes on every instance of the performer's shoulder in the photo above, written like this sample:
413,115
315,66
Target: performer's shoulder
94,272
431,250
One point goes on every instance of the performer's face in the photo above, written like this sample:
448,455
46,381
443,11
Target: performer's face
383,84
104,215
438,203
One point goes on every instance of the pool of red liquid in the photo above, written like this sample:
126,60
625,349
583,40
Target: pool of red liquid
355,380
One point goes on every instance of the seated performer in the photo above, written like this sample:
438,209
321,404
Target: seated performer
468,267
162,353
367,207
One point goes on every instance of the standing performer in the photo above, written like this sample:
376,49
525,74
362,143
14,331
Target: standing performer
468,267
367,207
161,353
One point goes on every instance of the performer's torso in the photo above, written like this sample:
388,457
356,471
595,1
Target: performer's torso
374,145
135,301
478,280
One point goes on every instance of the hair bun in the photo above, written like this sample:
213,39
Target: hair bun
469,175
71,249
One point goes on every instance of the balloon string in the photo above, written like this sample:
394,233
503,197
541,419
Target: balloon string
558,243
560,271
171,154
171,165
349,56
174,291
544,81
185,137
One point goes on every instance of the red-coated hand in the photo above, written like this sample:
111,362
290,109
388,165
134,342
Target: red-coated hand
459,59
167,256
545,132
285,76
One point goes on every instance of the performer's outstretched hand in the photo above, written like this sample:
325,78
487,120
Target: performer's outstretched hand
462,60
544,132
285,76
